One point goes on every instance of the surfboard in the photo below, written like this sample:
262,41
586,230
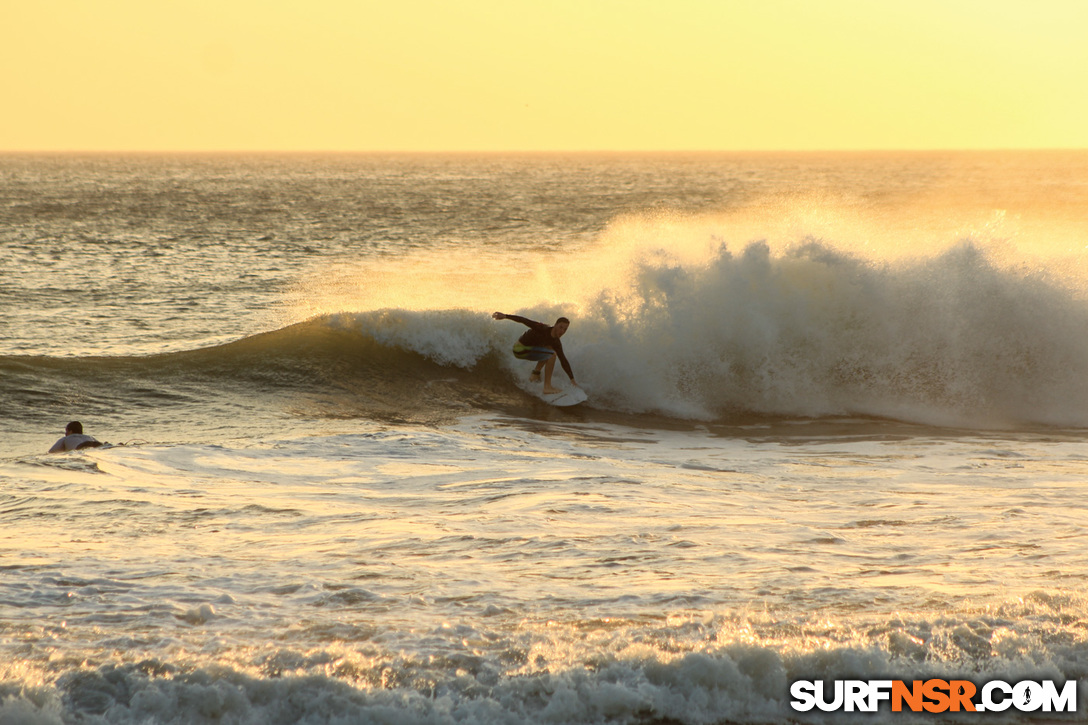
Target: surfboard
566,396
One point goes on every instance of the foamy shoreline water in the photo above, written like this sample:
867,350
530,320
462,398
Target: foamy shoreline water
593,586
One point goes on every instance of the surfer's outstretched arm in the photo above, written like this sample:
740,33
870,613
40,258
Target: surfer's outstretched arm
523,320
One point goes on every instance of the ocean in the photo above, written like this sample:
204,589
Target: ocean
836,430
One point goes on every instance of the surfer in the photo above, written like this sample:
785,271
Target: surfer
541,343
74,439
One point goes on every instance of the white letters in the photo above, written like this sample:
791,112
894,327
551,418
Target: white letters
834,704
856,695
988,700
1065,702
994,696
1027,696
804,698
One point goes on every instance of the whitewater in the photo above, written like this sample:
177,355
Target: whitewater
836,429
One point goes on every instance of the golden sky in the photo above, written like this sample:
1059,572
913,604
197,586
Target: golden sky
462,75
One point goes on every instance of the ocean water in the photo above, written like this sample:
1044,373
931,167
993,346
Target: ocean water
836,428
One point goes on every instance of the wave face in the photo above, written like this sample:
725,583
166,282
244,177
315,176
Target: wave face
955,339
319,369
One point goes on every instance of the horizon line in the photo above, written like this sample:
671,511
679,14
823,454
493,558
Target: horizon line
213,151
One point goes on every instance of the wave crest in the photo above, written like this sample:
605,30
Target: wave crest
815,331
809,331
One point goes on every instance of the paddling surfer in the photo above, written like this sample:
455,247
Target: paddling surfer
74,439
541,344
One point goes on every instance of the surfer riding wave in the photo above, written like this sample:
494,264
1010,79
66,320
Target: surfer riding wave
541,343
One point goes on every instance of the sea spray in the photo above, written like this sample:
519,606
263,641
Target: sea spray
805,331
813,331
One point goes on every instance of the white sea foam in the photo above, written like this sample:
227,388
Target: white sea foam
710,671
804,330
494,572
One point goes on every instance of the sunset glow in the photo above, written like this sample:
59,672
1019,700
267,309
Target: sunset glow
564,75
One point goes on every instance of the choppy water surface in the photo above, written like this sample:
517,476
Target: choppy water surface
835,429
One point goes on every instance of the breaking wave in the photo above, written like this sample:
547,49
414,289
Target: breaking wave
810,332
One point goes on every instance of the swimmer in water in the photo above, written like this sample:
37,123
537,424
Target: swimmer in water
74,439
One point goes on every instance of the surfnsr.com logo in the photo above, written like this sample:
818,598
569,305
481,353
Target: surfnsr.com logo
934,696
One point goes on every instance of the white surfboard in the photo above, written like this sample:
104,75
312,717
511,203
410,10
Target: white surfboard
566,396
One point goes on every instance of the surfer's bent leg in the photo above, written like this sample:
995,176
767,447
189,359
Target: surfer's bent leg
549,365
540,355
